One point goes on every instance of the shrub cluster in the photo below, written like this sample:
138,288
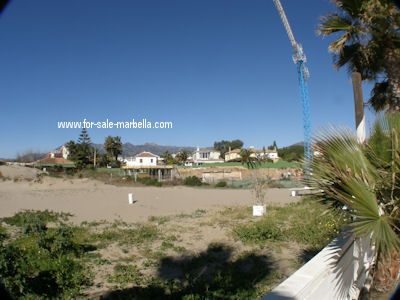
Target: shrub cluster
312,225
42,261
150,181
192,181
221,184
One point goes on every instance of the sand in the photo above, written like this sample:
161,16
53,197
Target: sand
16,172
90,200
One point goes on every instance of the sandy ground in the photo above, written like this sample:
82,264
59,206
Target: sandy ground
90,200
18,172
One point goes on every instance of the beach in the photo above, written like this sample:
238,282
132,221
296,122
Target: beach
91,200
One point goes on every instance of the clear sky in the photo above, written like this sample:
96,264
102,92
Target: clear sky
218,69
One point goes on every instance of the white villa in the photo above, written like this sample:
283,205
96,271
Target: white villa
141,159
235,154
62,152
201,156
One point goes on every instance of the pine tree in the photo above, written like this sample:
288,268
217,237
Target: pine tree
84,138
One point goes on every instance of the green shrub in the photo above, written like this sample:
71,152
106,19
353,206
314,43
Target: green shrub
126,274
259,232
192,181
115,164
221,184
35,221
2,163
317,231
42,262
150,181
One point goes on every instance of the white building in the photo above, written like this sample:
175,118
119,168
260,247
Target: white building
233,155
60,153
208,156
141,159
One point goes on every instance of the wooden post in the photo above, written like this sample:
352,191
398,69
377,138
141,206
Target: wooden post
358,106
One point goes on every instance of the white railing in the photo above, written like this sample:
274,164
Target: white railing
339,271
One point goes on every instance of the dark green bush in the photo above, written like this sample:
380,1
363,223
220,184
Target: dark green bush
221,184
115,164
35,221
150,181
42,262
192,181
259,232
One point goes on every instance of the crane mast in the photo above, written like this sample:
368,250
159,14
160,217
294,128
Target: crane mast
300,59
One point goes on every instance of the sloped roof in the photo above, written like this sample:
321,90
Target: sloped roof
233,151
208,150
146,154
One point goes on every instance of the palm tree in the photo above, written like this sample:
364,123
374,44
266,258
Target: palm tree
182,157
369,43
365,178
247,158
167,157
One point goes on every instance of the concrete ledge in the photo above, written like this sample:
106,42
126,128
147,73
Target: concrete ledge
339,271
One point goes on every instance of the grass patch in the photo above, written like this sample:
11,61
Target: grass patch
308,222
259,232
126,274
132,236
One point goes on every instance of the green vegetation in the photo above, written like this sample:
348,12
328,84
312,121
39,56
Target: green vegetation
149,181
192,181
223,146
43,261
113,146
182,157
81,152
292,153
308,222
367,41
221,184
247,159
364,177
44,257
168,159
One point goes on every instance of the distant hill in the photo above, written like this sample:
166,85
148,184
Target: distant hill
297,144
129,149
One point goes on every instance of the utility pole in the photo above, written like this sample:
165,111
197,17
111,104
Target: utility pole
358,106
94,160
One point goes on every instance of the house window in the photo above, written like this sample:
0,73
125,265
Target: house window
205,155
141,160
151,160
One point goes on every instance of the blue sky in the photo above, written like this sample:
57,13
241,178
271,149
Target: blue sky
218,69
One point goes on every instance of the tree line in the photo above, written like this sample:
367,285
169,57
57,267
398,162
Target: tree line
84,154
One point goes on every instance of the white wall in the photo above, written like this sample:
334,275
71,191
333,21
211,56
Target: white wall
140,161
339,271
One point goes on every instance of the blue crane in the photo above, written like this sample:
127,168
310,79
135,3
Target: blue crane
299,58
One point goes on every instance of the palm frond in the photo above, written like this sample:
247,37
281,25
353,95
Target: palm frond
352,174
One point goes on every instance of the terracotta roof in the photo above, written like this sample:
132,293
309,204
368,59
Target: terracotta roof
208,150
233,151
146,154
54,160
